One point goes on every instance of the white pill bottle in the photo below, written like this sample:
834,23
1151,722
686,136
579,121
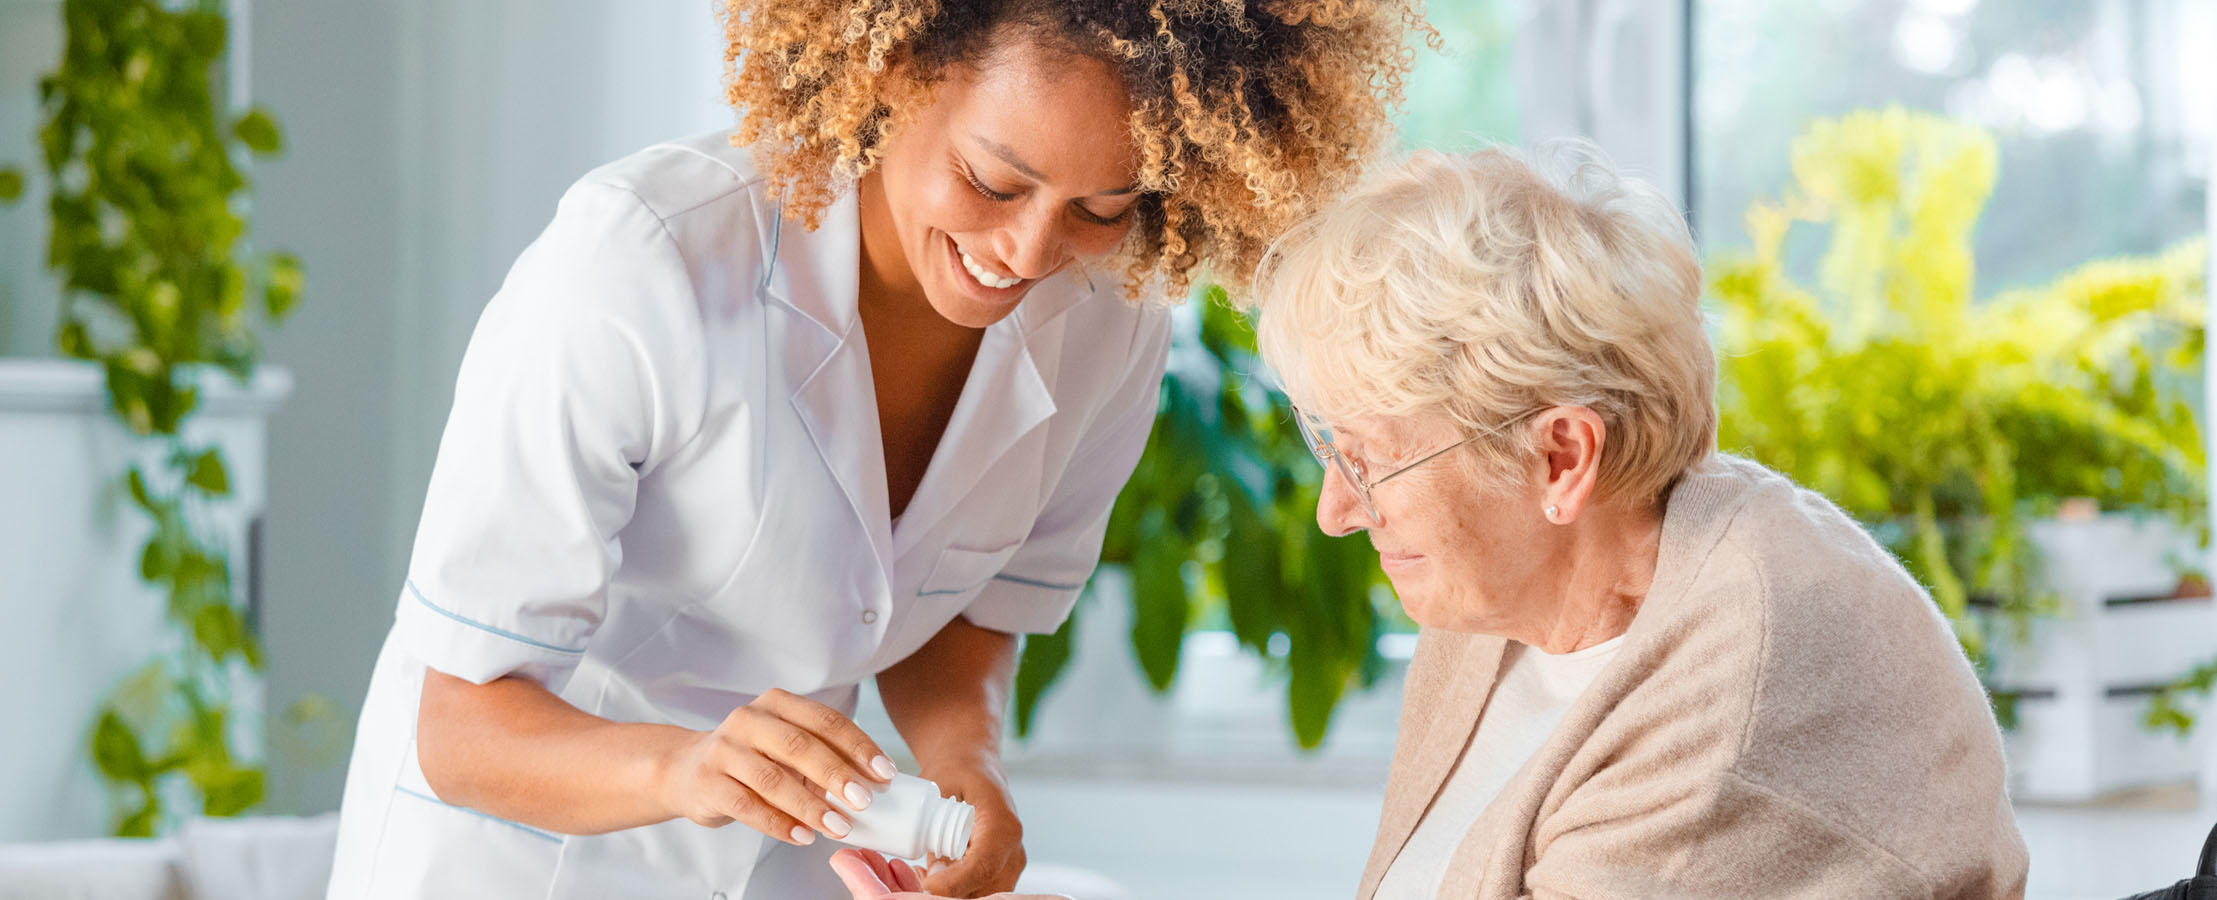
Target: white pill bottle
910,820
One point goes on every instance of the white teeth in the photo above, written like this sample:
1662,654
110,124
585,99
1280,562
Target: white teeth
984,277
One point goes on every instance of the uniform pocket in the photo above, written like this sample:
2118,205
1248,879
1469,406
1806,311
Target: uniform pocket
961,571
429,849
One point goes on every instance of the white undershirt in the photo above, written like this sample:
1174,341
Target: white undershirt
1535,689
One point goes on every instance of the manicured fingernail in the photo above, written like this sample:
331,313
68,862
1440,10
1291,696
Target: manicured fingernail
858,797
884,768
837,825
803,836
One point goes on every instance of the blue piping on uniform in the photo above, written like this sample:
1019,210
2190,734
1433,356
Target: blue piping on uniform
427,604
1048,585
519,826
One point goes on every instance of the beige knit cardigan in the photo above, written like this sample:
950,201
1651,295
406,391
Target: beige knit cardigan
1789,716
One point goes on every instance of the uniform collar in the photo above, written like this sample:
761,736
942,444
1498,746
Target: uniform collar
816,272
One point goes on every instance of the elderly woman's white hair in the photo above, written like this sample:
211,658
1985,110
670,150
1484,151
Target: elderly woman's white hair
1486,286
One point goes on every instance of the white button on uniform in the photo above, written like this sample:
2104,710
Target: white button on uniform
869,616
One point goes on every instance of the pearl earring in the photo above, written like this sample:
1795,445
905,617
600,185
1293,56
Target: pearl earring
1551,513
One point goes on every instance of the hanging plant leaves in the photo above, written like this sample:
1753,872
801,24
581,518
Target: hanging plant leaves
115,749
283,285
11,184
219,630
135,480
155,561
237,791
145,235
258,131
209,475
139,824
205,32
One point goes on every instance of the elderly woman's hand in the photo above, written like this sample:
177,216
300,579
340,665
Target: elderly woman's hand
870,876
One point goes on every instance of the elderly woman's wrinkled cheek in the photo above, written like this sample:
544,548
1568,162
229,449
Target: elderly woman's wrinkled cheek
1453,554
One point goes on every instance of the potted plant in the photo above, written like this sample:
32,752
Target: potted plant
1956,426
1217,527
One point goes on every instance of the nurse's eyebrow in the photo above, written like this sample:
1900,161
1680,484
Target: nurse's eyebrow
1003,153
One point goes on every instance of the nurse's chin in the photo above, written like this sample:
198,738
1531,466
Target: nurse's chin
969,312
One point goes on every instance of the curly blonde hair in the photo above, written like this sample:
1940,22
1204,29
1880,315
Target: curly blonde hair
1247,115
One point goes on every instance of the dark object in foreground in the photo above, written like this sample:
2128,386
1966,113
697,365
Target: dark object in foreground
2203,886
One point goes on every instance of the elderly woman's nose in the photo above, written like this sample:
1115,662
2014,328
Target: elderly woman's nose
1339,512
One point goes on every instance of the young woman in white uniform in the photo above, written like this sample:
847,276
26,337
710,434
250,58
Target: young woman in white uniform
845,395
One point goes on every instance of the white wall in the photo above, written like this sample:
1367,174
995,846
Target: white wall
328,69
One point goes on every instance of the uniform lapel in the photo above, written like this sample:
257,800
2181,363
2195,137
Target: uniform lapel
1450,679
827,364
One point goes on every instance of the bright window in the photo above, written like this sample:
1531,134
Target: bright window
2103,110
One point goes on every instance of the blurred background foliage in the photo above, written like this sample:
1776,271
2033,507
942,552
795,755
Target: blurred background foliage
1867,367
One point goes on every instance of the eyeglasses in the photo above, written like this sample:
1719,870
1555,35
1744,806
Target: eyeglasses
1324,444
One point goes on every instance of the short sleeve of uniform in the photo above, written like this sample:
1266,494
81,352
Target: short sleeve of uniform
1035,589
584,370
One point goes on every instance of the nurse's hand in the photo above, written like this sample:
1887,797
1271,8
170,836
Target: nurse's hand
996,854
770,764
872,877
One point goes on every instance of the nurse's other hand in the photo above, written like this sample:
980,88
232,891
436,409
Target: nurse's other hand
996,854
872,877
770,764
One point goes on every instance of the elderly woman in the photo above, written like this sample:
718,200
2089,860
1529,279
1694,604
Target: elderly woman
1646,669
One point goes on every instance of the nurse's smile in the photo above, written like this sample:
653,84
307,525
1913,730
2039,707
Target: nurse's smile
985,285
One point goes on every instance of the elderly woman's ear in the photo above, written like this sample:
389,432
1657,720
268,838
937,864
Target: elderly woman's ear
1568,465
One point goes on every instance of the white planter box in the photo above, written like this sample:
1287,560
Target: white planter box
2086,673
78,617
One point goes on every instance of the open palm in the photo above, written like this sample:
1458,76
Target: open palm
870,876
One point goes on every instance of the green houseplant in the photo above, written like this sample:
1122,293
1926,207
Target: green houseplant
147,220
1218,523
1943,420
